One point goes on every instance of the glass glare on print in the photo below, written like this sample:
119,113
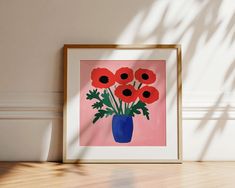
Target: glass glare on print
122,103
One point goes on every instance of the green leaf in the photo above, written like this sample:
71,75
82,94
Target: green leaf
97,105
106,99
93,94
135,109
103,113
108,112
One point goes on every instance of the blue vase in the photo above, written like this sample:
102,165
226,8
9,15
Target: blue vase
122,127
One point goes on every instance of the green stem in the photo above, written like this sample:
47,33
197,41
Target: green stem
140,86
134,84
116,112
133,104
125,108
121,110
110,91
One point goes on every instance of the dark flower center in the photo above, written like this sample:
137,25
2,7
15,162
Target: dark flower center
124,76
146,94
127,92
104,79
145,76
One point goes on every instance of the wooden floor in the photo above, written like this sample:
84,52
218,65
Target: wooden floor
189,175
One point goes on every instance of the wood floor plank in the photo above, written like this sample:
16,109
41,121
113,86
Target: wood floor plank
188,174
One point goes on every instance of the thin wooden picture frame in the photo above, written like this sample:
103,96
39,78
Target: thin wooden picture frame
175,48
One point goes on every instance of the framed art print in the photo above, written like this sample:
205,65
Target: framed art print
122,103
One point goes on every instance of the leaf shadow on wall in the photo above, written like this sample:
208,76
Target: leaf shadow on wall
224,113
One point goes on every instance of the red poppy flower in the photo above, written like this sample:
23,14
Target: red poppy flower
148,94
102,78
126,93
145,76
124,75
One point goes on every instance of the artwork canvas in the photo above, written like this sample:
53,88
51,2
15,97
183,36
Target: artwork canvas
121,104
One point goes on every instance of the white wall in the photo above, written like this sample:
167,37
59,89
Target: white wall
32,34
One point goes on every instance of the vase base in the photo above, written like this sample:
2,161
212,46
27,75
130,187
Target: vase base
122,141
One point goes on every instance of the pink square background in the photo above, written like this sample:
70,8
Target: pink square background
146,132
